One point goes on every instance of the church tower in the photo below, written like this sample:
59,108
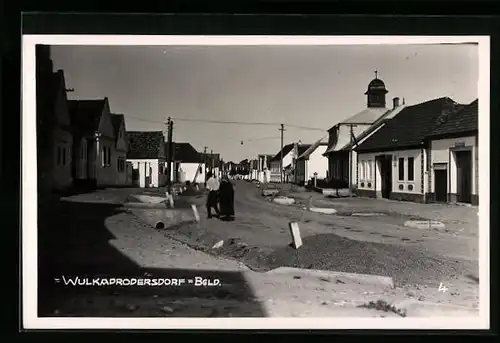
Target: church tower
376,93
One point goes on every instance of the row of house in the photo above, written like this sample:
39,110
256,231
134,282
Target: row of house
83,143
148,155
300,163
425,152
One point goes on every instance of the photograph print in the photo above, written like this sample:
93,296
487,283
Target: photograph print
292,181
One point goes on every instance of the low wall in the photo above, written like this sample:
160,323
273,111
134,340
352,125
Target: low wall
169,217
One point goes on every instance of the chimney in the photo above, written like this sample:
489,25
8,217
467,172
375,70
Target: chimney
395,102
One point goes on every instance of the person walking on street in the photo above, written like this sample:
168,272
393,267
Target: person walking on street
226,199
213,189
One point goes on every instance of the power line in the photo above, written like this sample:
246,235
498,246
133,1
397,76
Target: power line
232,123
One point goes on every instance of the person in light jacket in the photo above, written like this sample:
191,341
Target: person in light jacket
213,189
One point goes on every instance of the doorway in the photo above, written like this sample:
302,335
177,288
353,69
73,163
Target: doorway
385,164
441,184
464,175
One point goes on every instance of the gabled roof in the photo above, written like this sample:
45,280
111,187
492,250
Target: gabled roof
376,125
86,115
286,149
367,116
145,144
312,148
186,153
302,148
117,120
411,126
463,121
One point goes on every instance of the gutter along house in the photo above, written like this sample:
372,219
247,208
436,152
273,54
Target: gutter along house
393,162
342,159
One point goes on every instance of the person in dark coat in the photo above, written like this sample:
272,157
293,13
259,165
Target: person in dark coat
226,199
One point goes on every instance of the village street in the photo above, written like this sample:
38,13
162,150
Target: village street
94,235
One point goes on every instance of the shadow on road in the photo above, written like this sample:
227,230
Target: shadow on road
73,241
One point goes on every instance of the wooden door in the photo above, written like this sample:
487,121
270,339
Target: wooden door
464,176
441,185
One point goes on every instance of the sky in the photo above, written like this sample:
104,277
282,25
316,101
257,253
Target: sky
313,87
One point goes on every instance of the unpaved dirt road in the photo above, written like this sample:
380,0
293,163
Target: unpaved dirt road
259,237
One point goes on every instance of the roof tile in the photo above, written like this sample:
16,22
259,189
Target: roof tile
411,126
145,144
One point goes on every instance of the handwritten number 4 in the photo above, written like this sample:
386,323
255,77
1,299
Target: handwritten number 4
442,288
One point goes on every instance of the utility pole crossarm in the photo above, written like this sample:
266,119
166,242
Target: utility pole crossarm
282,129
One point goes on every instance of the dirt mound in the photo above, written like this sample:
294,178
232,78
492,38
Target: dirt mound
332,252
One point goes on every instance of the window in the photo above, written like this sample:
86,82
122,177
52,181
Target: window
82,151
411,168
59,155
64,156
103,158
369,177
360,171
109,156
120,166
401,166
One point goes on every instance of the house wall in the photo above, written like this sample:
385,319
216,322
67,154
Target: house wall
62,158
82,158
155,175
369,175
129,168
187,172
62,176
442,151
106,173
121,175
317,163
275,167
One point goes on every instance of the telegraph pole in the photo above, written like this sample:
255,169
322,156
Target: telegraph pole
282,129
351,143
170,125
205,161
211,161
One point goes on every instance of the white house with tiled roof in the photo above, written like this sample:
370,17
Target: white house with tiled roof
146,152
453,166
312,163
394,161
344,135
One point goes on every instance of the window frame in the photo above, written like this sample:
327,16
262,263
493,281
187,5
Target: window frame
401,169
412,169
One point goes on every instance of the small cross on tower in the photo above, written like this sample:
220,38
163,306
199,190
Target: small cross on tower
376,74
